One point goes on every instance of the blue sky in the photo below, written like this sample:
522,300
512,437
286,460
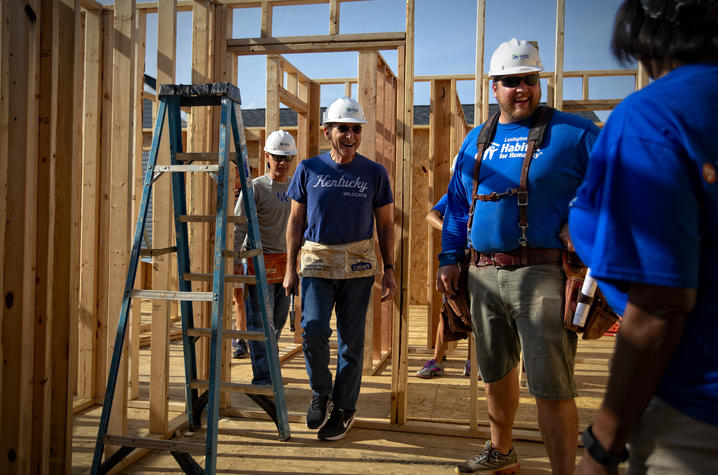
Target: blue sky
445,41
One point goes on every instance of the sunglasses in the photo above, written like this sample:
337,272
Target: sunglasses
514,81
344,128
282,158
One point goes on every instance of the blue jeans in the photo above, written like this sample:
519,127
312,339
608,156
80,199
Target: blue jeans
351,298
278,308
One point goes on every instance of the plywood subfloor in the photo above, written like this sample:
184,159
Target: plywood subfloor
248,441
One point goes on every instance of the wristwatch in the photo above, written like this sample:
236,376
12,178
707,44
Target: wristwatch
600,454
388,266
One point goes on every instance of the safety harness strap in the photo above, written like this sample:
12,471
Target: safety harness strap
541,119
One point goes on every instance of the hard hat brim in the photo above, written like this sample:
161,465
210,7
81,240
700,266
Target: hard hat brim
345,121
516,70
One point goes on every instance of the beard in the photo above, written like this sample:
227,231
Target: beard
517,111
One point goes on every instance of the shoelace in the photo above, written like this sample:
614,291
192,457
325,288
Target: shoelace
316,403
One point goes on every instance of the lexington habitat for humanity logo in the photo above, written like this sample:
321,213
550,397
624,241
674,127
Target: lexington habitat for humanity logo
513,147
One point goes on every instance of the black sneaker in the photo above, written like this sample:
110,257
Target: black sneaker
241,350
338,425
318,412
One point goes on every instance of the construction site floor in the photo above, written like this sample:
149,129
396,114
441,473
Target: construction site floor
248,441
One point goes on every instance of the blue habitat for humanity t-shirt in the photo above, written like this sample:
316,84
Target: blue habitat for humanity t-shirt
340,199
440,205
648,213
556,171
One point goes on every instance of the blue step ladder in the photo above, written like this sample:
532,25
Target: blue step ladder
171,98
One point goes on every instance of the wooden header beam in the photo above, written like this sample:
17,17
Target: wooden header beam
316,44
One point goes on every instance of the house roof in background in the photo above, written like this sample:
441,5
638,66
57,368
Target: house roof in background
288,118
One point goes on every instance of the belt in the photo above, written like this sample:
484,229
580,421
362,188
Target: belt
535,256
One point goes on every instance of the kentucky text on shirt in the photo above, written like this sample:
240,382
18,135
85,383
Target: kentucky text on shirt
325,182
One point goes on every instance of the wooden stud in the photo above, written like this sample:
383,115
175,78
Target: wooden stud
271,118
439,162
137,184
334,17
405,114
266,25
19,51
102,312
162,223
198,184
62,318
89,219
120,194
367,98
558,71
480,107
49,38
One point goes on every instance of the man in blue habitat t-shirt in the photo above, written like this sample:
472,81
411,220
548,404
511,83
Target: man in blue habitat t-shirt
515,282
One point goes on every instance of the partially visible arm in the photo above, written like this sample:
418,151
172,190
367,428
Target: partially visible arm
240,229
295,229
652,326
385,232
434,219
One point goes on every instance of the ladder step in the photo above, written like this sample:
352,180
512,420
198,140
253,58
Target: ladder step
265,389
210,218
156,444
233,278
186,168
201,157
159,251
241,334
172,295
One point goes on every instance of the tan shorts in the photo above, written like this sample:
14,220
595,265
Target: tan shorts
670,442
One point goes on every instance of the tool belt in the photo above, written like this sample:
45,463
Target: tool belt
533,255
339,261
601,316
275,264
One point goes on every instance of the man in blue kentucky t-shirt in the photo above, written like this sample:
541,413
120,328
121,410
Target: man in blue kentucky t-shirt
516,297
336,197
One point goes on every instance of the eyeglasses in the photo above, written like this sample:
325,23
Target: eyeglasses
514,81
282,158
344,128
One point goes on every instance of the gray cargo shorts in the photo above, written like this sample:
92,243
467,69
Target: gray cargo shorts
522,307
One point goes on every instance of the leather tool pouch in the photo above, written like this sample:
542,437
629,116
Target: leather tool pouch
600,315
455,310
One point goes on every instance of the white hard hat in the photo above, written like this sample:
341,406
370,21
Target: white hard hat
344,110
515,57
280,142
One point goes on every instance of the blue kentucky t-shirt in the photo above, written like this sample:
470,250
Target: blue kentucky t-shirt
556,171
340,199
648,213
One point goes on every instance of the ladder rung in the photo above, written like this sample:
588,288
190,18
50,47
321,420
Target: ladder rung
265,389
186,168
201,156
159,251
234,278
210,218
156,444
242,254
172,295
241,334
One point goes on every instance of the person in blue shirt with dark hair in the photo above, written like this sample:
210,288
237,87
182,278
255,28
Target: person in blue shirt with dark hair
516,237
646,223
